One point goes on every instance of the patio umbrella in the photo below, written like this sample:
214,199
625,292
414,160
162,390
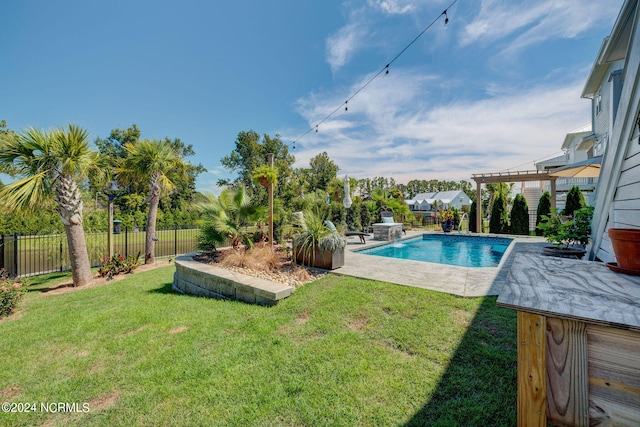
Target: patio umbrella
347,197
589,168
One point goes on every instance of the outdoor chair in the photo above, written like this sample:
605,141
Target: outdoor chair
347,233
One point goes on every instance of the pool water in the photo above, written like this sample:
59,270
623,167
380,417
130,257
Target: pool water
451,249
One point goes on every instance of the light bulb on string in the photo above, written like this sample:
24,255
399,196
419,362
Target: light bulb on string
316,128
387,67
346,107
446,19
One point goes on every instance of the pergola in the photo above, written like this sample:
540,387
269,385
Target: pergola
521,176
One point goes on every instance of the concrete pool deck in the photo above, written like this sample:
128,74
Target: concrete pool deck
462,281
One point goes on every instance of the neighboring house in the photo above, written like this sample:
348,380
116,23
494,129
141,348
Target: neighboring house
426,202
578,146
618,191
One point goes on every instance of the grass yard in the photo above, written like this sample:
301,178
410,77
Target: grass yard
340,351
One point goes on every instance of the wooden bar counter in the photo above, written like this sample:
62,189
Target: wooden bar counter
578,342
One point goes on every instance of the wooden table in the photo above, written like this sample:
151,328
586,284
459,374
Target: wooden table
578,342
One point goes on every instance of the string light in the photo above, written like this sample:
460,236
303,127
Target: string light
385,69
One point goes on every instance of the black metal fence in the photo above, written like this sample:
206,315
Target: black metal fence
24,255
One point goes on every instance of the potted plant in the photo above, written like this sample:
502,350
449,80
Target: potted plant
569,236
315,245
626,247
448,221
264,175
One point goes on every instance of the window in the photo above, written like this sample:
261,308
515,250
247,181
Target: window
597,103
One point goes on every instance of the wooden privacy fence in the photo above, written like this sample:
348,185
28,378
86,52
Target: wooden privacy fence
24,255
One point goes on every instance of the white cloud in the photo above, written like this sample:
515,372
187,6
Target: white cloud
529,23
360,26
393,7
395,129
344,43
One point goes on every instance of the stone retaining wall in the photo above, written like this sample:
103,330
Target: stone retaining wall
196,278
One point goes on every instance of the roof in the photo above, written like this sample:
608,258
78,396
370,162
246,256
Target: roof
442,196
598,71
552,163
576,135
613,48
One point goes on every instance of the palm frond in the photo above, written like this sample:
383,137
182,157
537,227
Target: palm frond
29,192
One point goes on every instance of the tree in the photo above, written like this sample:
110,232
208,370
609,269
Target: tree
112,150
323,170
52,165
575,201
250,151
472,219
499,223
229,216
155,162
544,209
520,216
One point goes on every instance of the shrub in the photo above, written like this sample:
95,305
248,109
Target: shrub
472,219
10,294
365,215
353,217
499,223
239,258
563,232
544,210
333,242
520,216
266,258
575,201
118,264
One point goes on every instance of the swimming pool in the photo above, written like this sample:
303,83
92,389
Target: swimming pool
451,249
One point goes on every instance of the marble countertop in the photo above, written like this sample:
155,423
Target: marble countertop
571,289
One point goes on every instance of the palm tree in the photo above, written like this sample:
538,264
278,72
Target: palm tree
230,214
51,164
154,161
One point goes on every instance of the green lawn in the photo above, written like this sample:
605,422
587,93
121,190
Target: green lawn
340,351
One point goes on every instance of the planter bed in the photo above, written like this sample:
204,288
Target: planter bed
195,278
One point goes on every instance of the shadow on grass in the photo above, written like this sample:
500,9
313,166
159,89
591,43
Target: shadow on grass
164,289
43,283
479,387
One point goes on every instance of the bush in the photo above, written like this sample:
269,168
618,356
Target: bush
10,294
520,216
365,215
499,223
544,210
353,217
118,264
472,219
575,201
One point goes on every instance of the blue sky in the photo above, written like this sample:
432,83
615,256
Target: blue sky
496,90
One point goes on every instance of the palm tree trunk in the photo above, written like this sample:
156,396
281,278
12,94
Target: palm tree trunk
78,255
70,209
154,201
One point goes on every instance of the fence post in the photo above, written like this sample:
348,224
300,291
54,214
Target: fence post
175,240
126,242
61,266
2,253
15,254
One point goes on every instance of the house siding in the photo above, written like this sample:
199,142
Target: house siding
609,91
617,195
625,211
